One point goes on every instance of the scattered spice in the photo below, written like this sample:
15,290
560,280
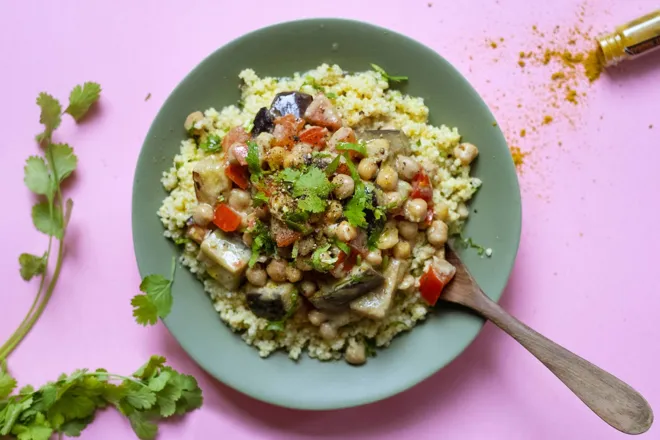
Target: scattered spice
547,119
148,97
650,126
429,4
521,63
571,95
518,156
523,133
593,64
493,45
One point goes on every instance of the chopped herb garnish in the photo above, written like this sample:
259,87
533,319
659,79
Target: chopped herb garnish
312,189
332,166
387,76
374,235
469,243
212,144
342,246
289,175
294,251
347,146
322,260
181,241
331,95
370,347
260,199
310,81
278,326
354,209
262,242
254,163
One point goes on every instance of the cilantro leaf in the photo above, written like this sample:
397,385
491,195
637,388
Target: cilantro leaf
82,98
387,76
37,177
142,427
158,382
157,303
37,430
332,166
212,144
262,242
314,181
260,199
289,175
64,162
355,208
312,203
50,117
331,95
31,265
44,223
73,428
144,310
347,146
139,397
342,246
148,370
254,163
7,383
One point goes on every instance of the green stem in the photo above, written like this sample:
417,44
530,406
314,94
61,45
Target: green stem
4,353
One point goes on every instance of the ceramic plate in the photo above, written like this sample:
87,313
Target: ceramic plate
494,222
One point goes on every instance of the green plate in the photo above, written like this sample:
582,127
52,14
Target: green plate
495,220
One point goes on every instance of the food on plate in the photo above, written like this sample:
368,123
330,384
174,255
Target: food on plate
317,211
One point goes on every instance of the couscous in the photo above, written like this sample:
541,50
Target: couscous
316,212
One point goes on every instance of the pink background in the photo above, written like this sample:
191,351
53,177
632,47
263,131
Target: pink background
586,270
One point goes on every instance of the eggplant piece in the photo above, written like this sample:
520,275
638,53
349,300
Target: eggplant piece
361,280
273,301
210,179
229,257
399,143
375,305
290,103
264,121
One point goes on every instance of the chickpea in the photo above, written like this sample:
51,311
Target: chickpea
293,274
389,238
306,246
317,318
375,257
292,160
303,265
440,253
275,157
328,331
344,186
239,199
415,210
277,270
247,238
203,214
393,200
367,168
441,211
387,178
192,118
402,250
407,167
346,231
264,140
407,230
256,275
437,233
308,288
356,353
466,153
334,212
378,149
331,230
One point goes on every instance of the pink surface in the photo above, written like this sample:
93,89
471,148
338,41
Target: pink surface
585,274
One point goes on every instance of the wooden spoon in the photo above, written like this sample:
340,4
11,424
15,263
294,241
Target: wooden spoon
612,400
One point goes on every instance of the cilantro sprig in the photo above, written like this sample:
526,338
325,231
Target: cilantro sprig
388,77
67,406
44,175
348,146
156,302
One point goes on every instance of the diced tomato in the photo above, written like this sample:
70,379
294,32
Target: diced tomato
343,169
422,187
433,281
345,262
239,152
238,174
286,130
226,218
286,237
314,136
235,135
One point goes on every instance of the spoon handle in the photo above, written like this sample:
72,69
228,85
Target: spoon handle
614,401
